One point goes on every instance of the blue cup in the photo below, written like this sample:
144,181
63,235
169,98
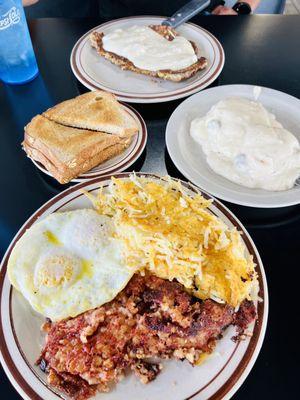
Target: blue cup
17,60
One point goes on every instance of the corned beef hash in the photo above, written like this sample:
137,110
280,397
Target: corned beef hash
149,274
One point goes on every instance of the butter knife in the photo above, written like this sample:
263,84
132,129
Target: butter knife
186,12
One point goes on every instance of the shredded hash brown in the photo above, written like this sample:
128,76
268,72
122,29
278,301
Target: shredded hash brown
150,318
174,235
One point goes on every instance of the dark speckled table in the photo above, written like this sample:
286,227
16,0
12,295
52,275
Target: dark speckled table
260,50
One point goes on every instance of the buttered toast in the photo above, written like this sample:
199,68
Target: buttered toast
98,111
66,151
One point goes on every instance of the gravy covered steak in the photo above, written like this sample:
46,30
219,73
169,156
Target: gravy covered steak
155,50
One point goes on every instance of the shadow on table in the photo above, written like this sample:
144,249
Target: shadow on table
28,100
252,217
52,184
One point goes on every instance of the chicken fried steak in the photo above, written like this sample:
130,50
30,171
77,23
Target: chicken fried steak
150,318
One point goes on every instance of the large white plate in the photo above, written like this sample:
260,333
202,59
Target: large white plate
188,157
217,378
95,72
120,162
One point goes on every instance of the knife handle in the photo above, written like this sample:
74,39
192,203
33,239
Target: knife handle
186,12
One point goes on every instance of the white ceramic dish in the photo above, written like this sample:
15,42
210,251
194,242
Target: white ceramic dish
95,72
217,378
120,162
188,157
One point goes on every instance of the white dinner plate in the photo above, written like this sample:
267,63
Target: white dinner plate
95,72
217,378
120,162
189,158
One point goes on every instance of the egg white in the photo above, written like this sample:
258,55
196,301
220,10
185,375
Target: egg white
69,263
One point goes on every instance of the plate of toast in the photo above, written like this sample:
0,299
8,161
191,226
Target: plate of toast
85,137
142,61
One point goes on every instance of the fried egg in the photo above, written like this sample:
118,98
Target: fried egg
69,263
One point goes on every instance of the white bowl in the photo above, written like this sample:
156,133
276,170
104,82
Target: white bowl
189,158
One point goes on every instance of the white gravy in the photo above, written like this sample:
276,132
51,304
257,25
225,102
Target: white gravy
148,50
245,143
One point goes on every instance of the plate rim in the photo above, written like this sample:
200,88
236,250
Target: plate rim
123,163
183,169
151,98
251,352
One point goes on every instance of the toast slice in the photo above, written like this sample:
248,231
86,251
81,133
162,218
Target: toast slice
66,174
169,34
98,111
68,152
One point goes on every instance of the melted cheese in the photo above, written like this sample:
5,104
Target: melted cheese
148,50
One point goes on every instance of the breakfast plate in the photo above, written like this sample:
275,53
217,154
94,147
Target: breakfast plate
120,162
189,158
218,377
95,72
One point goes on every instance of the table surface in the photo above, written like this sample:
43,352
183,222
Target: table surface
260,50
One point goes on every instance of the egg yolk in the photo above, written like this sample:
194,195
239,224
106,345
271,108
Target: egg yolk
52,238
55,271
87,269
